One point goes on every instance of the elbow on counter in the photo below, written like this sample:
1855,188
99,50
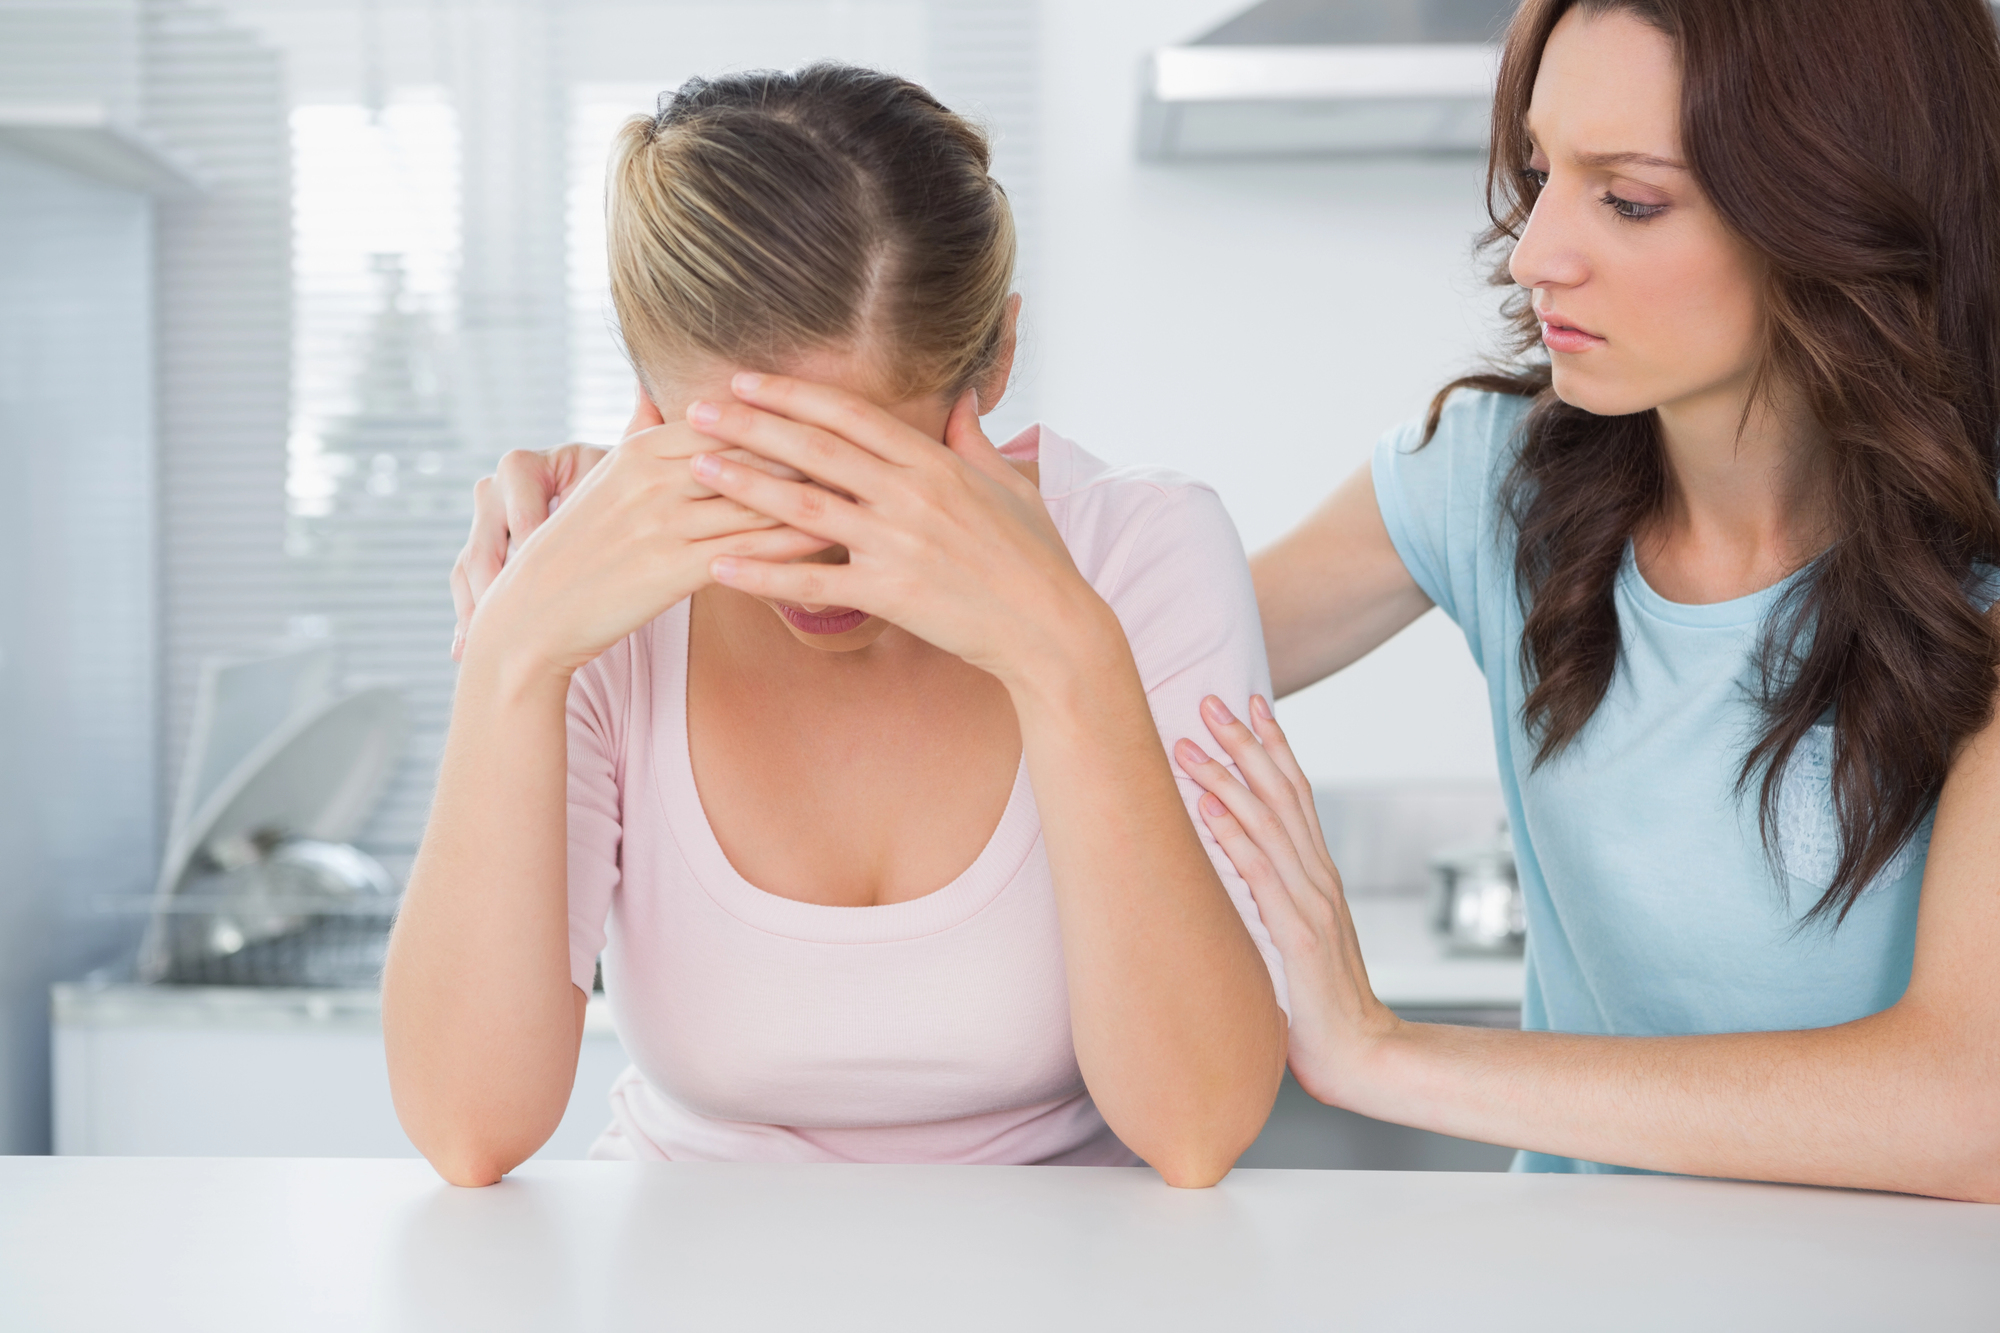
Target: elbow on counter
1220,1127
467,1170
1203,1157
1193,1170
469,1160
471,1136
467,1145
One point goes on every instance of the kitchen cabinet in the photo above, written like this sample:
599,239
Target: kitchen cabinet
174,1071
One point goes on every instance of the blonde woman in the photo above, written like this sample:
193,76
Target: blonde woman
857,781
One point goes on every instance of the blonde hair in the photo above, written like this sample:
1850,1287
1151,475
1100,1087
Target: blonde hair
766,214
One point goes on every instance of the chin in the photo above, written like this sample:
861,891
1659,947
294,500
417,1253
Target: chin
1599,395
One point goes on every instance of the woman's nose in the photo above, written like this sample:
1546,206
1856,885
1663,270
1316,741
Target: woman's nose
1549,253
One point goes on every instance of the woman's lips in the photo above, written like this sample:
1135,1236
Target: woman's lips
1561,337
833,620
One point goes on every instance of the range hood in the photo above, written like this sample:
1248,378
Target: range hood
1289,78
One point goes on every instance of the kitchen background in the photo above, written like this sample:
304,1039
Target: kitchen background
280,278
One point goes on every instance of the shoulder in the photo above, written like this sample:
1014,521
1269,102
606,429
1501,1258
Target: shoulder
1160,548
1473,424
1440,498
1125,522
1460,467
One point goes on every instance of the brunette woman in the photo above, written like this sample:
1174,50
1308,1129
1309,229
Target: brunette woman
1725,557
858,787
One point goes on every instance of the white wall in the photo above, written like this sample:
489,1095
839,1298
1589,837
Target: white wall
1258,326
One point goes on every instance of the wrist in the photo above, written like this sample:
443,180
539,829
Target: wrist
501,668
1080,654
1383,1065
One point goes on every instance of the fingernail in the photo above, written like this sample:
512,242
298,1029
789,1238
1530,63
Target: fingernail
457,643
722,569
748,381
1216,711
1212,807
1190,753
704,414
705,466
1260,708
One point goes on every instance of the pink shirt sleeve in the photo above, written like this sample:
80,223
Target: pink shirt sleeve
1183,592
596,733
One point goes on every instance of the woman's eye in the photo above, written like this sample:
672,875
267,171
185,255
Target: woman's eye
1535,179
1625,208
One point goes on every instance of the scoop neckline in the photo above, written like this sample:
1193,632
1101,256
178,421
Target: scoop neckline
999,862
1751,608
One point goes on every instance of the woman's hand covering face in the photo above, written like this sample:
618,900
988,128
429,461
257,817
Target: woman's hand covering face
518,498
508,506
1267,824
634,533
950,543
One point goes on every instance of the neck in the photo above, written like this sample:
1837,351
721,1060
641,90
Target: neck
1745,501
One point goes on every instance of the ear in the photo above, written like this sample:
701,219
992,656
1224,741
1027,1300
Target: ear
994,385
963,437
645,415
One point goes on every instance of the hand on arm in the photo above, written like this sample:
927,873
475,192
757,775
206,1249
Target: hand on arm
481,1019
1907,1099
1175,1024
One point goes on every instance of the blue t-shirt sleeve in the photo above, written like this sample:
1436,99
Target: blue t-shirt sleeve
1441,502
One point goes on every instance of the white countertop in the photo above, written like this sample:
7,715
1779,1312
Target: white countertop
296,1244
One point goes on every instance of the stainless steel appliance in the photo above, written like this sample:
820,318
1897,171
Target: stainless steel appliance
1476,903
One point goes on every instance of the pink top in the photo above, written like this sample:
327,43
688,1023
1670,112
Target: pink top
934,1030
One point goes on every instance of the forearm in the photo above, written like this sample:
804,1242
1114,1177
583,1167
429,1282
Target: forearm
479,1013
1894,1101
1176,1028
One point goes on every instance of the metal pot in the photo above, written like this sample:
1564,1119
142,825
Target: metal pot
1476,903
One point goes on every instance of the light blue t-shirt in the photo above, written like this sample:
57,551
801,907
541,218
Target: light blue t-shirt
1652,905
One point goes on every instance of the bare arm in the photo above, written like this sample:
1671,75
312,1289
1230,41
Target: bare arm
482,1021
1333,589
1907,1099
481,1018
1176,1027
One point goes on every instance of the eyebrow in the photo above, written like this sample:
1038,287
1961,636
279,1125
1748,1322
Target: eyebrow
1629,160
1614,159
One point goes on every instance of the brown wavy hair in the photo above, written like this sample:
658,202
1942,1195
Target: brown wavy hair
1856,148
